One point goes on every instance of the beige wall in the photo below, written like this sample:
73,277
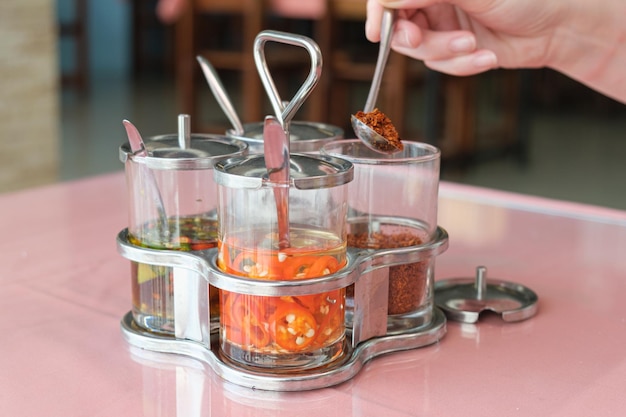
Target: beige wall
29,95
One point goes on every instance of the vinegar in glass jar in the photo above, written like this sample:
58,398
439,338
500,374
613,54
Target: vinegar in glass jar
282,331
152,285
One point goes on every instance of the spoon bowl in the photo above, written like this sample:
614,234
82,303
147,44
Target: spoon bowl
372,139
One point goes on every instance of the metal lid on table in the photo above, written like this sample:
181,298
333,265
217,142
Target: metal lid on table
303,136
202,151
306,172
463,299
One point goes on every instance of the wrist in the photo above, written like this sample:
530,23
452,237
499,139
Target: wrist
590,46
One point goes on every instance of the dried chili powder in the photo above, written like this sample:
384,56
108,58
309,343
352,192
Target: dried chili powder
382,125
407,282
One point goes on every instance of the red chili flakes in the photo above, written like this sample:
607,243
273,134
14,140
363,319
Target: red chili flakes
382,125
407,282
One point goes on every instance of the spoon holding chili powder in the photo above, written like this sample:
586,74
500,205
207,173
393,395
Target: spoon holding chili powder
381,134
371,125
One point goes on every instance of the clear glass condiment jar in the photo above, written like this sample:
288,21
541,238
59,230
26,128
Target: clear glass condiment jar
172,206
286,330
393,204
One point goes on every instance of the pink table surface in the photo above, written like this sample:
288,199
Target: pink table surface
65,289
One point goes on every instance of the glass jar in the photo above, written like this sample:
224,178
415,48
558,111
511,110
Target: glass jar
172,206
393,204
286,330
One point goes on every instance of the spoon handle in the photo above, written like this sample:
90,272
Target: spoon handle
219,91
386,30
276,148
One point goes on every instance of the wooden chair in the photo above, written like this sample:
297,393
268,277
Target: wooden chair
233,21
152,40
223,31
482,117
76,31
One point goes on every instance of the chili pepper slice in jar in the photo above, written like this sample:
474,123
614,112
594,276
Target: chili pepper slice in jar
294,327
297,267
310,266
327,309
324,265
253,265
244,320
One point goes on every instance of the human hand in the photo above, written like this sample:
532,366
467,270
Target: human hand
168,11
466,37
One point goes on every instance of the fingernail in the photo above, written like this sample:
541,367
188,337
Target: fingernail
463,44
486,59
403,38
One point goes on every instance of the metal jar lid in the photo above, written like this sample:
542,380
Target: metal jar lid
303,136
306,172
203,152
463,299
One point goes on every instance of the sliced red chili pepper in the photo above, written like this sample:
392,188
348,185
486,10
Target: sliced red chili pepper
310,302
324,265
255,265
254,331
244,305
234,335
226,307
297,267
242,317
271,263
202,245
294,327
327,310
330,316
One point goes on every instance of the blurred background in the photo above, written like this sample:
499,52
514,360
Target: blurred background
72,70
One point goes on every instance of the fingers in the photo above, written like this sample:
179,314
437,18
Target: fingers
407,4
471,64
168,11
375,14
418,41
446,49
372,23
452,52
464,64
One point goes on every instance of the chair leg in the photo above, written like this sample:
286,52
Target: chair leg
460,115
318,109
252,88
394,91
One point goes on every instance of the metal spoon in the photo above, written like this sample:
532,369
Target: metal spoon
369,136
152,189
220,94
276,150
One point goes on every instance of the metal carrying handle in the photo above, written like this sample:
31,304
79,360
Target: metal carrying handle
285,111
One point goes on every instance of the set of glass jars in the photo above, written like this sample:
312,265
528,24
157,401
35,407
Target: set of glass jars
345,201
